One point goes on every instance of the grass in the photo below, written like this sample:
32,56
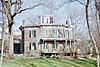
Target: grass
49,62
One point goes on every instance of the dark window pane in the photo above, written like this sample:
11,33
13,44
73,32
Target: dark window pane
53,45
34,45
29,46
30,34
56,45
34,33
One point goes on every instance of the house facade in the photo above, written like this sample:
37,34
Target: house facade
47,37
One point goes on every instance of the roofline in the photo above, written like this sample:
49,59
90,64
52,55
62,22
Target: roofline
41,25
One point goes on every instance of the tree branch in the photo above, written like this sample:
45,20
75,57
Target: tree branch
2,11
80,2
13,3
77,1
29,8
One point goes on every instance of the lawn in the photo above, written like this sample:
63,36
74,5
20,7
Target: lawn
49,62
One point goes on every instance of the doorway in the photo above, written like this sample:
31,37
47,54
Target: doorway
17,48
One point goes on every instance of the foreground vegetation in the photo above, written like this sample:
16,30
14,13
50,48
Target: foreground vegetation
49,62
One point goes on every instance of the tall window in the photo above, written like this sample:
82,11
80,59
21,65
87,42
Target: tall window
53,46
68,42
47,20
51,19
42,20
29,46
56,45
45,33
45,46
32,46
34,33
30,34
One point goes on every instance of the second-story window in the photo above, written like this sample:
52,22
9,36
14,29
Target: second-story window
29,34
34,33
42,20
47,20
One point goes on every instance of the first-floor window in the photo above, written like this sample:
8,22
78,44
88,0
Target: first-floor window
32,46
56,45
53,46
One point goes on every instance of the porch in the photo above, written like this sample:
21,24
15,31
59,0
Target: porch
57,45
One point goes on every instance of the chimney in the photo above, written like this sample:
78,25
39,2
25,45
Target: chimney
23,23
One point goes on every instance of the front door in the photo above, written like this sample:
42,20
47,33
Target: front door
17,48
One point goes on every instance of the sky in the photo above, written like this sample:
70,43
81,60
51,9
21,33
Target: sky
60,15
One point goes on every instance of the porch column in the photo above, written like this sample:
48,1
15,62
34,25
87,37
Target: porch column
74,45
70,49
70,45
42,46
66,46
55,44
50,47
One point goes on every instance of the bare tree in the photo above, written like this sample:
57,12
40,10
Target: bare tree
3,33
10,16
91,36
88,26
97,5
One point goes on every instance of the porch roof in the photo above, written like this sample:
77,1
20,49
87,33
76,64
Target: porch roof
56,39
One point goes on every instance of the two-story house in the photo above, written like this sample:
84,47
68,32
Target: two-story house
47,37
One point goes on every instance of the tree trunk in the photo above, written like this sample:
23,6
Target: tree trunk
3,35
11,49
98,60
98,30
97,5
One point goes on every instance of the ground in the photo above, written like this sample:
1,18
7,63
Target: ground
49,62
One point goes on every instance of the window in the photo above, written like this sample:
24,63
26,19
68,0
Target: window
32,46
34,33
45,33
56,45
45,46
68,42
57,33
51,19
30,34
53,46
47,20
42,20
29,46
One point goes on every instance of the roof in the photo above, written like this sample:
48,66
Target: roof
43,25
